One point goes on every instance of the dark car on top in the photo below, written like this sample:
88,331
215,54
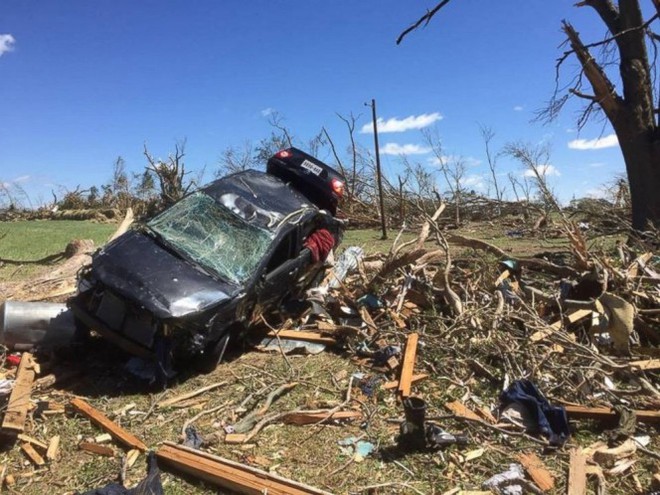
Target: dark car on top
185,282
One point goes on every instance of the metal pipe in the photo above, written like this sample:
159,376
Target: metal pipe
24,325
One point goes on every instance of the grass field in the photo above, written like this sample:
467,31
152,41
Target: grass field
22,243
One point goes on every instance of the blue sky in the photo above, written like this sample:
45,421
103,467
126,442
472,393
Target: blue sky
82,82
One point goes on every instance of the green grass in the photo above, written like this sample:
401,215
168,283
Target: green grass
36,239
32,240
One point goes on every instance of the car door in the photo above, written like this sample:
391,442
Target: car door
285,264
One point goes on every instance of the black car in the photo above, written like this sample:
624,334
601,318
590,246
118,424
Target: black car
185,282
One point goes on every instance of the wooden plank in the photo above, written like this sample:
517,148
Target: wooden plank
537,471
53,448
190,395
571,316
606,414
98,418
645,365
405,379
32,441
304,336
229,475
307,418
32,454
577,473
366,317
395,383
19,400
460,409
95,448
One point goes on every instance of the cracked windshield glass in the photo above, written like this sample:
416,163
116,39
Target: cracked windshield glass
210,234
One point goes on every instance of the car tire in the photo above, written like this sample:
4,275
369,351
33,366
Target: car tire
214,353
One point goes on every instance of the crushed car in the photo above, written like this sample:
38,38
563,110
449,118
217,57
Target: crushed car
184,283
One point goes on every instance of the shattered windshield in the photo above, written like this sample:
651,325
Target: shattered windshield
213,236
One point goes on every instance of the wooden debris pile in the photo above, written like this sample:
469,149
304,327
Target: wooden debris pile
447,321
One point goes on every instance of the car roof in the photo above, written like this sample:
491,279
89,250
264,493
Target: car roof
258,197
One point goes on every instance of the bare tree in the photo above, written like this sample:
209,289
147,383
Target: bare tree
453,169
632,112
171,174
487,134
350,122
236,159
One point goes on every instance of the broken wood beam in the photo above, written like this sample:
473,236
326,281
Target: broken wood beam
314,337
537,471
308,418
395,383
53,448
405,379
228,474
32,454
19,400
607,414
101,420
571,317
577,473
461,410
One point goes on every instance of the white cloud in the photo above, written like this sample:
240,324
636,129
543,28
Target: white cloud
402,125
470,161
597,164
267,111
404,149
608,141
22,178
474,181
544,170
518,108
6,43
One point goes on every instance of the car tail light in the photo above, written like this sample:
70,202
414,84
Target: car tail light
338,187
283,154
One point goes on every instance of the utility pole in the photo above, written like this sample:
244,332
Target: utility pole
378,172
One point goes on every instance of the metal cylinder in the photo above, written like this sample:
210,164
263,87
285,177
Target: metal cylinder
24,325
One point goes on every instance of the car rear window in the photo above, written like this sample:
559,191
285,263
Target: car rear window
211,235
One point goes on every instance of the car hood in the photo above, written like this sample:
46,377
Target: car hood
138,268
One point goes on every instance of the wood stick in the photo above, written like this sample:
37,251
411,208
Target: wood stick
606,414
304,336
228,474
405,379
104,423
306,418
577,473
95,448
189,395
395,383
19,400
646,365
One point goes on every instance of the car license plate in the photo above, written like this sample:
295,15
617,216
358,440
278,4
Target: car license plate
312,167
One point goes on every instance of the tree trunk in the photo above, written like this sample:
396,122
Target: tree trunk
641,153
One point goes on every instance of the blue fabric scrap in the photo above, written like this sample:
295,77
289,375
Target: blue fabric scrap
551,421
